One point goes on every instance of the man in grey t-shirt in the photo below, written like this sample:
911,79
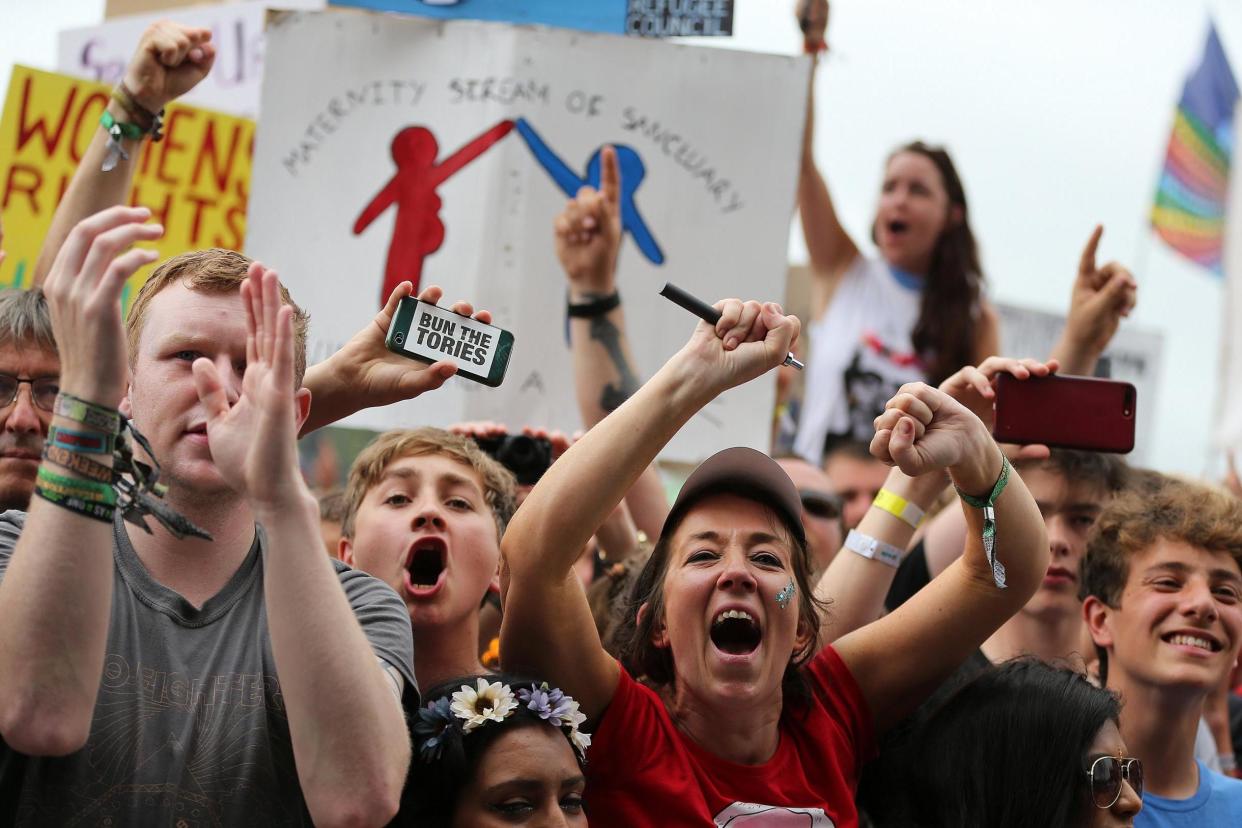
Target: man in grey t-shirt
190,726
242,680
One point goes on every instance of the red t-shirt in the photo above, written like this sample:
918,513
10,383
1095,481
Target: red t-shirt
642,770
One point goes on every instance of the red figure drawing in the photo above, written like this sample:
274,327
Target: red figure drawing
418,231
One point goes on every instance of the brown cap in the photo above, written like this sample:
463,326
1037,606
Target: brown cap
746,473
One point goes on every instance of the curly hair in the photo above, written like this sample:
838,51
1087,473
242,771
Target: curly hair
1165,509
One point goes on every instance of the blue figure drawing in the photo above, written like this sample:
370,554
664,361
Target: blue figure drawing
632,171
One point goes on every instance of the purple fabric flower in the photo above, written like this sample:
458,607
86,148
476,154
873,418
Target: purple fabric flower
553,706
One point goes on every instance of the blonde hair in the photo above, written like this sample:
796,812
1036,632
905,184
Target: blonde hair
213,271
499,486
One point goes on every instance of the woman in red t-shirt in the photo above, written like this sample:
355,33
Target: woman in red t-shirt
752,723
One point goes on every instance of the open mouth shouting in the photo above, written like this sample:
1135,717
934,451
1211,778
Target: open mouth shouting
897,226
425,567
735,632
1195,642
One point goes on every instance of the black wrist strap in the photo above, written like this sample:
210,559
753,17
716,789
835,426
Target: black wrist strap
596,307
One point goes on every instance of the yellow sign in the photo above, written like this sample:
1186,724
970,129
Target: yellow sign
196,180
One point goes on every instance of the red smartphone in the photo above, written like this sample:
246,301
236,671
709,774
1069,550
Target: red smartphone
1066,412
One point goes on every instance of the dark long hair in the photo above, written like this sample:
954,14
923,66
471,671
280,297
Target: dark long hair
655,664
945,333
433,788
1010,748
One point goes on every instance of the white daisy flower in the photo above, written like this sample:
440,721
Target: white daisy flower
490,701
580,740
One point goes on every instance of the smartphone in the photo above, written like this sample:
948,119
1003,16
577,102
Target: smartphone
430,334
1066,412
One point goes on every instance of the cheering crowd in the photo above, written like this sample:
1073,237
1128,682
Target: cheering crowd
889,620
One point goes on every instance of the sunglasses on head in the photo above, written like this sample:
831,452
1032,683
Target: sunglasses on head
1106,774
820,504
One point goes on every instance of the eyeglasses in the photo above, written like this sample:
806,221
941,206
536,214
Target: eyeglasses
1106,774
42,390
820,504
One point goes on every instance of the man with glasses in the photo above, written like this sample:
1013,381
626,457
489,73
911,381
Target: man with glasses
821,510
29,373
1162,590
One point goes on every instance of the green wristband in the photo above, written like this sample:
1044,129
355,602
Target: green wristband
86,508
75,487
107,420
124,130
988,505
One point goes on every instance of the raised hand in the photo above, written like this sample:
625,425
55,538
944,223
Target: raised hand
588,232
924,430
975,388
364,373
83,291
813,21
750,339
170,60
1102,296
253,441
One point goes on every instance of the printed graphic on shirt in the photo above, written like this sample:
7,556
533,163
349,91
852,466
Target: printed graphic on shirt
871,379
182,750
772,816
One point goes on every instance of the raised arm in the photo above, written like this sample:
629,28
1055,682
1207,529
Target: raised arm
902,657
547,629
588,240
854,586
1102,296
170,60
351,757
831,249
56,594
365,374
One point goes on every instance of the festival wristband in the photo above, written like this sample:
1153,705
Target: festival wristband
74,487
86,508
874,549
107,420
85,442
988,505
78,463
898,507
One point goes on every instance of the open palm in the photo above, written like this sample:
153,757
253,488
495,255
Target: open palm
253,440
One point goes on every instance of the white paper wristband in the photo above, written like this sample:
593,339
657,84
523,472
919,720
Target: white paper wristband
873,548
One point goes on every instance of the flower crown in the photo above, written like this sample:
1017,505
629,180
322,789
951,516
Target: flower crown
472,707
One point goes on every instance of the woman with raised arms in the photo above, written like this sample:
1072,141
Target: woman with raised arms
748,715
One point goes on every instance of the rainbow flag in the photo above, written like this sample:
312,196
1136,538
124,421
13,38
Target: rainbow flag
1189,213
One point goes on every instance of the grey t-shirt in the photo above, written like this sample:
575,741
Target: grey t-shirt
190,727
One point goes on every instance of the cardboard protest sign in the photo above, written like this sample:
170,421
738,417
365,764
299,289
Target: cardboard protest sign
196,180
102,52
399,148
645,18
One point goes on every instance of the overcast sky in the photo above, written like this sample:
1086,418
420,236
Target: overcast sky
1057,114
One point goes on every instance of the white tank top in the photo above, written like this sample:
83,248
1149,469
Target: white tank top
861,354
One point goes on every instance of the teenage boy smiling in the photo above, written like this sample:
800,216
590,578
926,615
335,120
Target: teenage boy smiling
1162,594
